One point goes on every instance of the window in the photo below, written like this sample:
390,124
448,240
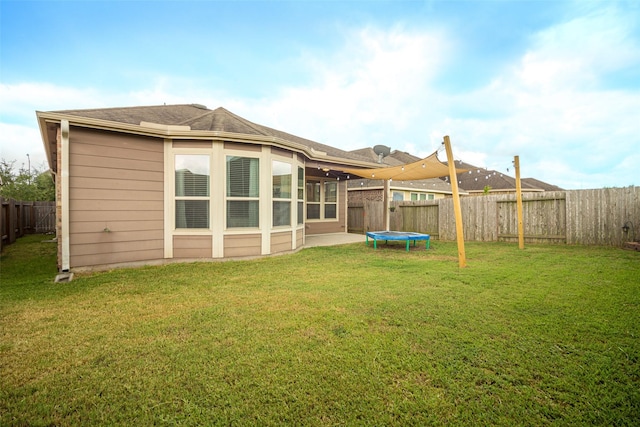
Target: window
243,193
322,199
330,199
300,195
397,196
281,182
313,200
192,191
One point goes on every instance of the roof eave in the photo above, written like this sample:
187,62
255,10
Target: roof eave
185,132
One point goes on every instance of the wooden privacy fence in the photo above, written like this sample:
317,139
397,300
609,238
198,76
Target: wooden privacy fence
590,217
20,218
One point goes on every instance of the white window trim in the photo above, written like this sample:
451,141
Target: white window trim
259,199
197,152
293,191
322,202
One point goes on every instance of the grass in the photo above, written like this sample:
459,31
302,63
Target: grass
327,336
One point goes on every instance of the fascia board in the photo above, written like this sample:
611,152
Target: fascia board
42,124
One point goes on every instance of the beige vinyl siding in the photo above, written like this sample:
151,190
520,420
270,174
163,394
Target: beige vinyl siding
281,242
238,245
116,198
192,144
254,148
299,238
281,153
192,246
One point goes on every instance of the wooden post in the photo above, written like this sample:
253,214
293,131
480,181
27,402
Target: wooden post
516,163
386,217
453,177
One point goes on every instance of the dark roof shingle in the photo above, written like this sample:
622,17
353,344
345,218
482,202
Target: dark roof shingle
200,118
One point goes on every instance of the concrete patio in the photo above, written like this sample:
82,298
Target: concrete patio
333,239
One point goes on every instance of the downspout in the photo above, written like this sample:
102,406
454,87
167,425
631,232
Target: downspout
64,190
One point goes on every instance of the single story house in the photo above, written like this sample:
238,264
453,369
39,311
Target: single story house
142,185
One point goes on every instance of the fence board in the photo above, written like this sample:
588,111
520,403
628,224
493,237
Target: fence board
355,219
19,218
590,217
374,215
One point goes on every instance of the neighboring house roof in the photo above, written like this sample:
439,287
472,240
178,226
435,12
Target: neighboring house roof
432,185
476,179
367,153
541,184
401,157
394,158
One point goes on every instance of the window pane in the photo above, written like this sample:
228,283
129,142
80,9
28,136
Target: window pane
281,213
242,213
414,196
300,212
243,177
281,180
313,192
397,196
192,175
300,184
330,191
192,214
330,211
313,211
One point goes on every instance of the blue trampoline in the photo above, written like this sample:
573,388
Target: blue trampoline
397,235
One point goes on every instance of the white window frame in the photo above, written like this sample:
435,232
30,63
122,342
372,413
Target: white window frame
323,202
176,198
256,199
282,200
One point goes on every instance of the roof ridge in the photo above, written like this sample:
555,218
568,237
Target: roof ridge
192,119
258,128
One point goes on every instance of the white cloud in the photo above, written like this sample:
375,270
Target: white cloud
18,141
363,95
20,101
553,106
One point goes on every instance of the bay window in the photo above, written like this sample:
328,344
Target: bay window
192,193
243,192
300,195
281,184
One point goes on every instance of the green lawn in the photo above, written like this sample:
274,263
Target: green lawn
342,335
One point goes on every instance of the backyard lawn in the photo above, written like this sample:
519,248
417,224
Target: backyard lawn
344,335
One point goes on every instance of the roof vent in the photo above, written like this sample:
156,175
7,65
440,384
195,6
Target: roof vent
200,106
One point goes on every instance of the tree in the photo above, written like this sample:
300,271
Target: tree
25,185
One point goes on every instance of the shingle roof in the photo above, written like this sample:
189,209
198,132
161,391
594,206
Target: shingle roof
402,157
200,118
541,184
424,185
477,178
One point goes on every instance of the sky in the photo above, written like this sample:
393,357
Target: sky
556,83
